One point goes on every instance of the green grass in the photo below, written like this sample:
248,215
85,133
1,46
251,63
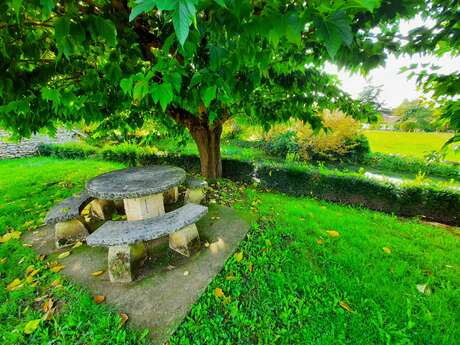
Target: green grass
28,189
409,144
293,292
286,289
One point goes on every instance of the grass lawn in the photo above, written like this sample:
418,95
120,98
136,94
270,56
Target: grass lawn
291,282
409,144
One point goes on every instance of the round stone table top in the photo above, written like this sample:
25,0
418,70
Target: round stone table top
135,182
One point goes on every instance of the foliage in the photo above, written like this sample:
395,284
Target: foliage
441,38
193,62
231,129
28,189
432,201
414,199
393,163
371,95
340,140
414,115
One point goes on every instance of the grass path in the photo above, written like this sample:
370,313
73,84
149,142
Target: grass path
409,144
290,283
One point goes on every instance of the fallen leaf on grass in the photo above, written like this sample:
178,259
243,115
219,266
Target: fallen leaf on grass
77,244
230,276
227,299
3,260
124,319
320,241
99,299
10,236
56,268
47,305
238,256
56,284
218,293
97,273
424,289
387,250
14,285
63,255
333,233
345,306
48,315
31,326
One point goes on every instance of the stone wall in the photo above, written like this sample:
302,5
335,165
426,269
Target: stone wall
28,147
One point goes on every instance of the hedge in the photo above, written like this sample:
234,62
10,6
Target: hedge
431,203
412,165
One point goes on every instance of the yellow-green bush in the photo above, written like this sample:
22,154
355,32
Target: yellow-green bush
340,139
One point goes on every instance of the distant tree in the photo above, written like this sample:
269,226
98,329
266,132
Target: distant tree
414,116
371,95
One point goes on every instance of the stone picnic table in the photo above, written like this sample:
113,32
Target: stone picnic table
144,191
141,188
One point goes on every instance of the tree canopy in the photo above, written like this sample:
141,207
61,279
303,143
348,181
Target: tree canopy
193,63
440,37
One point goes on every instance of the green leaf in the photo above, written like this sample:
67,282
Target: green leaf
48,6
141,88
126,85
165,94
176,80
141,7
31,326
208,94
335,30
182,18
221,3
368,4
166,5
49,94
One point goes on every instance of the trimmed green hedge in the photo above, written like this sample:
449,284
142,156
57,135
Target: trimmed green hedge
431,203
349,188
412,165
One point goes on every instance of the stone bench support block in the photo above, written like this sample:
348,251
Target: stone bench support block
185,240
122,260
102,209
145,207
196,190
69,232
171,196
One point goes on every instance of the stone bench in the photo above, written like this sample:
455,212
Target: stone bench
67,220
196,189
126,240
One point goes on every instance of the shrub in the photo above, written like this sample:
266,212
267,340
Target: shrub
298,179
282,144
341,139
396,163
231,129
67,150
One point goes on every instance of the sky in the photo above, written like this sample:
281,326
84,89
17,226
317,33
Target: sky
396,86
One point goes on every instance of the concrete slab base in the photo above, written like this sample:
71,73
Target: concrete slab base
167,285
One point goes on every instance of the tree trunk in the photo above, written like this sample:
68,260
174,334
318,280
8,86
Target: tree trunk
208,141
